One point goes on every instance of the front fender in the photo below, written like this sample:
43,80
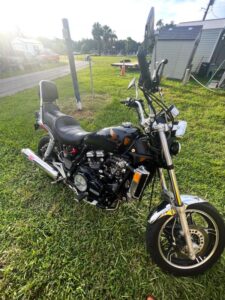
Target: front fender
165,208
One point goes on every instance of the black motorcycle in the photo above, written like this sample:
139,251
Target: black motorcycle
185,234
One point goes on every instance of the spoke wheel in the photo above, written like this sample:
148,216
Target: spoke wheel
42,147
166,243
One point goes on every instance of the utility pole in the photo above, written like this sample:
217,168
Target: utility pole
211,2
67,37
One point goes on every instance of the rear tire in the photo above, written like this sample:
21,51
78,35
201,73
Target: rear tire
168,248
42,145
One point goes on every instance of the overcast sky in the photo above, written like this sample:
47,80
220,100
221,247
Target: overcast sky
125,17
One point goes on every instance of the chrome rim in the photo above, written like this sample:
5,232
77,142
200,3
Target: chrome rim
205,237
43,149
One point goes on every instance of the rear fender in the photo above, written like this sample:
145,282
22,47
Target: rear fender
166,209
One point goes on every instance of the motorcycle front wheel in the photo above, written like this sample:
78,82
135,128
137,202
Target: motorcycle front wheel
167,246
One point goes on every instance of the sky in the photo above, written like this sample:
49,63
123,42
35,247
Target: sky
125,17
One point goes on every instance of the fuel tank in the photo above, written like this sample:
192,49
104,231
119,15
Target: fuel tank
113,139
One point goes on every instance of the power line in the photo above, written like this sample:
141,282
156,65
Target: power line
212,12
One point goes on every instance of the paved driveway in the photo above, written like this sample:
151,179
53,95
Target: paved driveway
12,85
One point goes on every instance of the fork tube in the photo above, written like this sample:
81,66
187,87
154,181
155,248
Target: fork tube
170,168
178,202
162,179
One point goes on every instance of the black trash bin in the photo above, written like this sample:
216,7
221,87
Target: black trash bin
203,69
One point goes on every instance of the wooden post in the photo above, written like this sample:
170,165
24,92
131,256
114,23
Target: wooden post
186,76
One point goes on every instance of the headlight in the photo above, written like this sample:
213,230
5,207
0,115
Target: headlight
180,128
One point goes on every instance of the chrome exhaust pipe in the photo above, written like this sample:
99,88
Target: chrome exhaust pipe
31,156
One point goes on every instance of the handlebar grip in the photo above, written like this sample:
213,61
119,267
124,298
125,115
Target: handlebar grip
129,102
123,101
159,71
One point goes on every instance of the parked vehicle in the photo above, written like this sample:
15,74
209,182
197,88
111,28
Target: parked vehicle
48,56
185,234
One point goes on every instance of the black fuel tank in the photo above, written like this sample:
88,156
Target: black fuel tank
112,139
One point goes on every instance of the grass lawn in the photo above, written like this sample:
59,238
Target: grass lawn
53,248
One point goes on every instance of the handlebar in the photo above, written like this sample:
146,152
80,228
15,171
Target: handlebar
138,105
132,102
159,71
162,63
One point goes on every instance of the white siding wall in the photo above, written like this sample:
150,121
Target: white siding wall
206,47
178,54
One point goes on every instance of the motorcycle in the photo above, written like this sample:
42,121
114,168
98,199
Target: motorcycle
115,165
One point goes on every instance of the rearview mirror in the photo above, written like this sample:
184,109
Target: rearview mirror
132,83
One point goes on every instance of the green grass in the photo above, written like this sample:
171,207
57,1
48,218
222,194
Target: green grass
53,248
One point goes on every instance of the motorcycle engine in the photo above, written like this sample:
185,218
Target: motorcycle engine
100,177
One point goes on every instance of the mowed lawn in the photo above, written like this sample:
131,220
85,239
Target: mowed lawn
53,248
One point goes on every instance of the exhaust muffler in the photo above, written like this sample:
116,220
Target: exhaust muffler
31,156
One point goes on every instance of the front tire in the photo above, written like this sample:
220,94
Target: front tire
167,246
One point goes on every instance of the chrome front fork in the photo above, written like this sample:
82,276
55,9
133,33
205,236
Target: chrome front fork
180,208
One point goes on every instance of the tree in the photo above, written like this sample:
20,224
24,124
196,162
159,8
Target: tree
112,42
131,46
106,33
6,51
97,33
105,38
56,45
120,47
86,46
109,38
160,24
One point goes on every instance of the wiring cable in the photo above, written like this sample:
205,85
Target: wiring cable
192,76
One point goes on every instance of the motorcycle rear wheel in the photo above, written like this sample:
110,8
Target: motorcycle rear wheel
167,246
42,145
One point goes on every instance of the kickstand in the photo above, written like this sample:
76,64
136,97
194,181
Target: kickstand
57,180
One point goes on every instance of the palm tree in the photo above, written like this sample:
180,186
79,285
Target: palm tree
159,24
97,32
107,32
113,38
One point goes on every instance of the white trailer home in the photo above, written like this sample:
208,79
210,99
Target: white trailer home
178,45
210,53
197,45
29,47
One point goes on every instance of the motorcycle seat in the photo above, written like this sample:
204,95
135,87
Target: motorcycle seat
68,130
50,113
